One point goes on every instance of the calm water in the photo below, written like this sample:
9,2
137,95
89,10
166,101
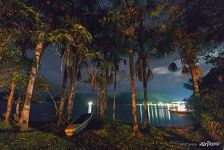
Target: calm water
159,116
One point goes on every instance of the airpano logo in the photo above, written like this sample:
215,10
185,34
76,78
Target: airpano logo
209,144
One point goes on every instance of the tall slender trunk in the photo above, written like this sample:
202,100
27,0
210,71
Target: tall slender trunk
105,90
62,100
195,81
9,102
144,83
114,95
17,112
71,96
136,131
144,74
24,119
101,103
104,100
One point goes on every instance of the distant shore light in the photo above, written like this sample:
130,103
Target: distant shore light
90,103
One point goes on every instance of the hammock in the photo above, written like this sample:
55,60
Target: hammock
79,124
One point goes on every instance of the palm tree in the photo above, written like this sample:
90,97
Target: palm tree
9,102
144,74
103,79
143,71
114,94
116,61
133,93
67,56
24,119
17,65
81,53
75,37
189,49
124,24
59,113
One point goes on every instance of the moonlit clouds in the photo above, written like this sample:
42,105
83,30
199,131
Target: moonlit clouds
164,81
161,71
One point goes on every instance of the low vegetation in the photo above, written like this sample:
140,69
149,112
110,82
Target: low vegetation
100,135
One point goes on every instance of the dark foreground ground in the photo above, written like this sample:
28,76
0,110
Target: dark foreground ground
101,135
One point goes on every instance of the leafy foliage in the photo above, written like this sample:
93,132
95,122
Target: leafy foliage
209,111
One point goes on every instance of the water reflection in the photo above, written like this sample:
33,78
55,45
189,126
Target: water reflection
158,115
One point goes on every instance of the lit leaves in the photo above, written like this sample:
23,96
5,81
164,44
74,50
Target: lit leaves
76,34
81,34
157,11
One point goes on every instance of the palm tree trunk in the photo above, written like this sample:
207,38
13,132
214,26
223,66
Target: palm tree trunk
60,110
17,112
24,119
9,102
101,103
105,100
114,94
105,90
71,97
136,131
195,81
145,115
144,75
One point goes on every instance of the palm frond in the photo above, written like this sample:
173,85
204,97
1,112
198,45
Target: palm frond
149,74
138,70
185,71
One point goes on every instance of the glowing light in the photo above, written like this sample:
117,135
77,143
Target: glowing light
168,114
148,114
90,103
181,107
140,105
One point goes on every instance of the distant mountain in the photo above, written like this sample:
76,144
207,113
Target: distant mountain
122,98
125,98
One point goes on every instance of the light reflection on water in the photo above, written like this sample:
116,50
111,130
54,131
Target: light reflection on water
158,116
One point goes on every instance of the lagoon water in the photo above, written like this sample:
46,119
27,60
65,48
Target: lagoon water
158,116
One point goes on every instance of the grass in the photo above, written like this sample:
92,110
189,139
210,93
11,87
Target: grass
98,135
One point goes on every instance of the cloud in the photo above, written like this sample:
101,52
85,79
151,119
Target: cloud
165,72
161,71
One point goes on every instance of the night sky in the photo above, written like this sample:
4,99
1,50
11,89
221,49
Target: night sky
163,82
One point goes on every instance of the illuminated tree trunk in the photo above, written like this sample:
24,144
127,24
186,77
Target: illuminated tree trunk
24,119
62,100
71,97
195,81
105,90
144,81
17,112
101,103
114,95
133,94
9,102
